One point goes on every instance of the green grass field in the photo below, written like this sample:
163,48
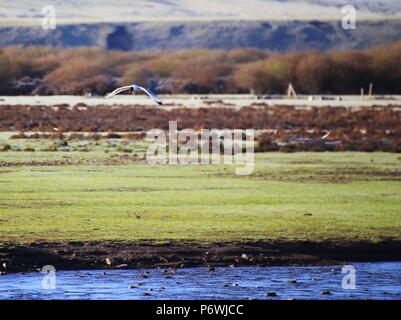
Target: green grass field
301,196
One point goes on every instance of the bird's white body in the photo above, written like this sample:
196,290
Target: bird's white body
135,87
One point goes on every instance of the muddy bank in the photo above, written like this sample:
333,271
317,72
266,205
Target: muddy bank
122,255
136,118
282,128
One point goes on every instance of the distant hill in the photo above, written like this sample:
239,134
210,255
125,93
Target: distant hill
277,25
277,36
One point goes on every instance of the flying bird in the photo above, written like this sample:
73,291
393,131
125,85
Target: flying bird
134,87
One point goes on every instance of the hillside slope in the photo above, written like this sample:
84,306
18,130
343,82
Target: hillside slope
277,36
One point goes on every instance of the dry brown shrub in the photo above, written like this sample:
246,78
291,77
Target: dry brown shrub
313,73
136,73
5,70
22,59
204,71
246,55
79,75
268,76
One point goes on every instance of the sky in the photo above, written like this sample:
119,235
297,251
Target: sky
78,11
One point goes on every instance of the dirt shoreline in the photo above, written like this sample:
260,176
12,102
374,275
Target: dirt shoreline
173,254
286,128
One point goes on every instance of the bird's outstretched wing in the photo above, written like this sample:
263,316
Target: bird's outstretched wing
150,94
136,88
117,91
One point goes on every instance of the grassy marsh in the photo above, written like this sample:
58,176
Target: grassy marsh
301,196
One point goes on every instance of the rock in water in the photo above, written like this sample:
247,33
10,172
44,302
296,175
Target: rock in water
271,294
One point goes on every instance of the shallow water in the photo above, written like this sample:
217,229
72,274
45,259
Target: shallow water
373,281
194,101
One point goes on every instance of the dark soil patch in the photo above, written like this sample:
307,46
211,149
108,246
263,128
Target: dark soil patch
78,136
63,162
290,129
81,255
5,171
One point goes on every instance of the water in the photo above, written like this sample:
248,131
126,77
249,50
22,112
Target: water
193,101
373,281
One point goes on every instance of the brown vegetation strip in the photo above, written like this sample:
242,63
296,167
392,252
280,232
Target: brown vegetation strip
286,128
46,71
78,255
79,136
63,162
137,118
